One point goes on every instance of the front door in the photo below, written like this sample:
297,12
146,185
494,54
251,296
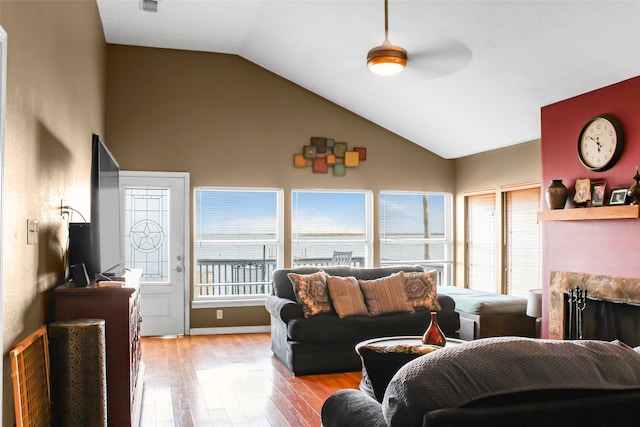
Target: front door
156,241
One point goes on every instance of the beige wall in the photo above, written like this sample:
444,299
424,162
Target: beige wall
491,171
55,100
229,122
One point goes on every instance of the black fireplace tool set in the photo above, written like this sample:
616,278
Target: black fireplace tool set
577,302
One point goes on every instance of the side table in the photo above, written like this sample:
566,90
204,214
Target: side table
383,357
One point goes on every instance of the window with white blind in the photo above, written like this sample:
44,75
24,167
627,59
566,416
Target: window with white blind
480,242
522,241
238,242
328,221
416,228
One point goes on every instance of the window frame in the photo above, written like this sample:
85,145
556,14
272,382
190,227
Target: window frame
239,300
446,264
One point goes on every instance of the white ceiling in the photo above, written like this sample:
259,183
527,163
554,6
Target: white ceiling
478,71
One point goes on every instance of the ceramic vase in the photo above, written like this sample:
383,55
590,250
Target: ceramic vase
634,191
556,194
433,335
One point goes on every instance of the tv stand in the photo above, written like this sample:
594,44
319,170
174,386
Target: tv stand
120,307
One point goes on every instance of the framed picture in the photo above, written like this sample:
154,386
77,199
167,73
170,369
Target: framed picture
583,192
618,196
597,193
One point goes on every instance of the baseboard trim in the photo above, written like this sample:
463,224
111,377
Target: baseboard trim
230,330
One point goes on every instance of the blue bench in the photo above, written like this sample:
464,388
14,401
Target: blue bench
487,314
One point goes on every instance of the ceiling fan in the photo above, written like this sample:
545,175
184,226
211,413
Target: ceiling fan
441,56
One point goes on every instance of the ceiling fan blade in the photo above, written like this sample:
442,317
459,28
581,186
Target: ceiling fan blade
439,58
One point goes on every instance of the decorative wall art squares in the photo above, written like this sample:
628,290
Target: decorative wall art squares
352,159
309,152
324,153
319,143
362,152
339,148
320,165
299,161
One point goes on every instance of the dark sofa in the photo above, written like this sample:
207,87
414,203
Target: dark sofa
326,343
503,382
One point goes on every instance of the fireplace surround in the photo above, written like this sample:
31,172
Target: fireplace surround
599,288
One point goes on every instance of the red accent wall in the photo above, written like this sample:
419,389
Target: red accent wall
607,247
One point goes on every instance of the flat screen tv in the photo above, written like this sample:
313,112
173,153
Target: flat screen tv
99,244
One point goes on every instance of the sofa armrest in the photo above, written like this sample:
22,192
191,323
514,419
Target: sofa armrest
349,407
283,308
446,302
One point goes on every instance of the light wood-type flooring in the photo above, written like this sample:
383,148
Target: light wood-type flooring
229,380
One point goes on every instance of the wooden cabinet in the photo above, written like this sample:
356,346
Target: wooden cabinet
120,308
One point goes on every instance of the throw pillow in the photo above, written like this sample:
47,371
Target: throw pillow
311,292
386,295
346,296
421,289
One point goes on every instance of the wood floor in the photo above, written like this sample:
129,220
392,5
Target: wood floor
229,380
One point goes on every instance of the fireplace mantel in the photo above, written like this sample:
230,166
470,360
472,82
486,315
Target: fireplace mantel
605,287
582,214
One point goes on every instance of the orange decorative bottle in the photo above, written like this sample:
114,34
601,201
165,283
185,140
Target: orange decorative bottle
433,335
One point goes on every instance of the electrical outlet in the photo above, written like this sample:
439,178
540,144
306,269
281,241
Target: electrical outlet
64,208
218,314
32,232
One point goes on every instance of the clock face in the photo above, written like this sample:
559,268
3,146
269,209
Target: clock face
600,143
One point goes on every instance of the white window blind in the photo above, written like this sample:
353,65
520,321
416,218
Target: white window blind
522,241
481,242
238,241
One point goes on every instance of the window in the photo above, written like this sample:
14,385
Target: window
522,241
416,228
326,221
512,247
238,243
480,242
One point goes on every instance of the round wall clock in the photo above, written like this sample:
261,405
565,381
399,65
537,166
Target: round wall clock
600,143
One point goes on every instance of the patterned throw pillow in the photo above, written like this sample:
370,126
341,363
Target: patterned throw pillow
386,295
346,296
311,292
421,289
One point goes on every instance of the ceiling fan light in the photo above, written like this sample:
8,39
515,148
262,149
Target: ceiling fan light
387,59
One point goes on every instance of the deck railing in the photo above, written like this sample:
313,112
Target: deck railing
230,277
253,277
245,276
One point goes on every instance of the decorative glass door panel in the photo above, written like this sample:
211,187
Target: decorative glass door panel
147,239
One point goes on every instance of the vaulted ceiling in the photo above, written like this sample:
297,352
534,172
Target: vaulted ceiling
477,74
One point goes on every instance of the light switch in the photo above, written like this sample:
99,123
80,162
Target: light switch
32,232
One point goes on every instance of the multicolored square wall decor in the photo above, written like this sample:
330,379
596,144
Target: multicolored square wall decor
324,153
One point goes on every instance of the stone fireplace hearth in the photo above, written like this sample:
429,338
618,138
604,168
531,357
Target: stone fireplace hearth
605,287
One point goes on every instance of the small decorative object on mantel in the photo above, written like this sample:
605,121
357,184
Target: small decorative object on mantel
324,153
634,190
583,192
597,193
556,194
433,335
